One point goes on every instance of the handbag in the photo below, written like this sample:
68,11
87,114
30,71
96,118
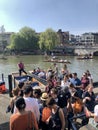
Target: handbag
29,120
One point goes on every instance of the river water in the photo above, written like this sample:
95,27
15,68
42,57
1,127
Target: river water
10,65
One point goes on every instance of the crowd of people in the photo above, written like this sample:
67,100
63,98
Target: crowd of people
65,96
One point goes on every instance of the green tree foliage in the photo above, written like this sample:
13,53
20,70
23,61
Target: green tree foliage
26,39
48,39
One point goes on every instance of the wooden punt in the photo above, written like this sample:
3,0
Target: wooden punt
84,58
31,79
57,61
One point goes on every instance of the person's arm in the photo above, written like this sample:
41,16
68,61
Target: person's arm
85,99
61,115
34,122
92,114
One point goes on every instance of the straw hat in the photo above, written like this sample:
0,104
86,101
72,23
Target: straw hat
44,96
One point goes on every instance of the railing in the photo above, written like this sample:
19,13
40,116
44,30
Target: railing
43,81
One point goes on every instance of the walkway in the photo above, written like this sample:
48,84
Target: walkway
4,117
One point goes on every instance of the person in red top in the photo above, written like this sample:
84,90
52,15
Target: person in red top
21,68
22,120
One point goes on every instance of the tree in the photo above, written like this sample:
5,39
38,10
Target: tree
16,42
25,39
30,38
48,39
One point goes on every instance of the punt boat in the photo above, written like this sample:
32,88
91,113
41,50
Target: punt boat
31,79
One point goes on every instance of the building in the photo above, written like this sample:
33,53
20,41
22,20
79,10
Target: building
72,39
4,39
89,39
64,37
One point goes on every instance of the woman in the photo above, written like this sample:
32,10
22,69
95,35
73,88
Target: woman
15,93
22,120
84,81
89,98
65,82
56,119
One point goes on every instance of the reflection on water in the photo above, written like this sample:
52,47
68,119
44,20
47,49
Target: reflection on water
10,65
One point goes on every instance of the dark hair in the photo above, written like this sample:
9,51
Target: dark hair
54,90
27,89
38,92
20,103
20,85
50,101
75,74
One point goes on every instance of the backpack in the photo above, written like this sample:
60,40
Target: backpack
62,98
46,112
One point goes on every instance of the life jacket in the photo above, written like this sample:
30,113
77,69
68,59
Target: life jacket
3,88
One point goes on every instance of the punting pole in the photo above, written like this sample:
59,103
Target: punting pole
2,77
10,85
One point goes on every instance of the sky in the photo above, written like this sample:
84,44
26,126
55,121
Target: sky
75,16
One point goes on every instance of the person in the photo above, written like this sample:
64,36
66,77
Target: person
93,117
21,68
45,112
89,98
84,81
23,119
55,69
15,93
31,103
56,119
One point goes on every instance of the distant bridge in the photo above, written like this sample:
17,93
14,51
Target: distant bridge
82,50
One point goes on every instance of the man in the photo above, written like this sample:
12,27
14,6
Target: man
21,68
31,103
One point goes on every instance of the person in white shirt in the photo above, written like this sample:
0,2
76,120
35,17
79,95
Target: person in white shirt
31,103
95,114
94,117
65,82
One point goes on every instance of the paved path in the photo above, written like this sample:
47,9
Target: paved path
4,117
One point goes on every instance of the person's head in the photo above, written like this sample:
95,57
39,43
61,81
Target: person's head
51,102
70,75
20,103
66,78
44,96
71,86
75,75
54,93
65,67
84,75
20,85
37,93
28,91
87,71
90,88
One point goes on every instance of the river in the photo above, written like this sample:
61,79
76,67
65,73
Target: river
10,65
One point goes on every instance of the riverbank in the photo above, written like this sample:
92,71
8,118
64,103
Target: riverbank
4,117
